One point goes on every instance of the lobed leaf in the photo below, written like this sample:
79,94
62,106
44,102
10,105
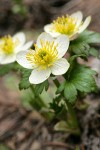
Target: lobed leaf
70,92
89,37
94,52
24,83
4,69
39,87
81,79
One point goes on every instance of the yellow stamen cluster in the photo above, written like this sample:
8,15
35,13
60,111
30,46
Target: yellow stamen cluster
45,56
65,25
7,45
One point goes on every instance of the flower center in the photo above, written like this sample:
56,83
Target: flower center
7,45
45,56
65,25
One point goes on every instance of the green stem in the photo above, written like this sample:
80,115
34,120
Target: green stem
72,113
74,120
70,110
38,102
56,82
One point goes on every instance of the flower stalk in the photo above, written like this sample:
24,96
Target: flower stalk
71,111
73,117
38,100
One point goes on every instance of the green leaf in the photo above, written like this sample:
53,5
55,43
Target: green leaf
81,79
89,37
81,44
4,69
46,85
24,83
94,52
61,87
59,108
71,60
79,47
70,92
39,87
55,105
64,126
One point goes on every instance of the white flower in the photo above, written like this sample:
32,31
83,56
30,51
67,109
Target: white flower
46,58
70,25
10,46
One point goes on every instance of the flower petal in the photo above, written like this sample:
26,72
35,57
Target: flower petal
73,37
21,37
8,59
24,47
60,67
85,24
63,44
78,16
45,37
22,60
27,45
1,58
55,34
38,76
48,29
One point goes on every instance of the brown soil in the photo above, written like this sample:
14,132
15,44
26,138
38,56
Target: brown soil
22,129
41,12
